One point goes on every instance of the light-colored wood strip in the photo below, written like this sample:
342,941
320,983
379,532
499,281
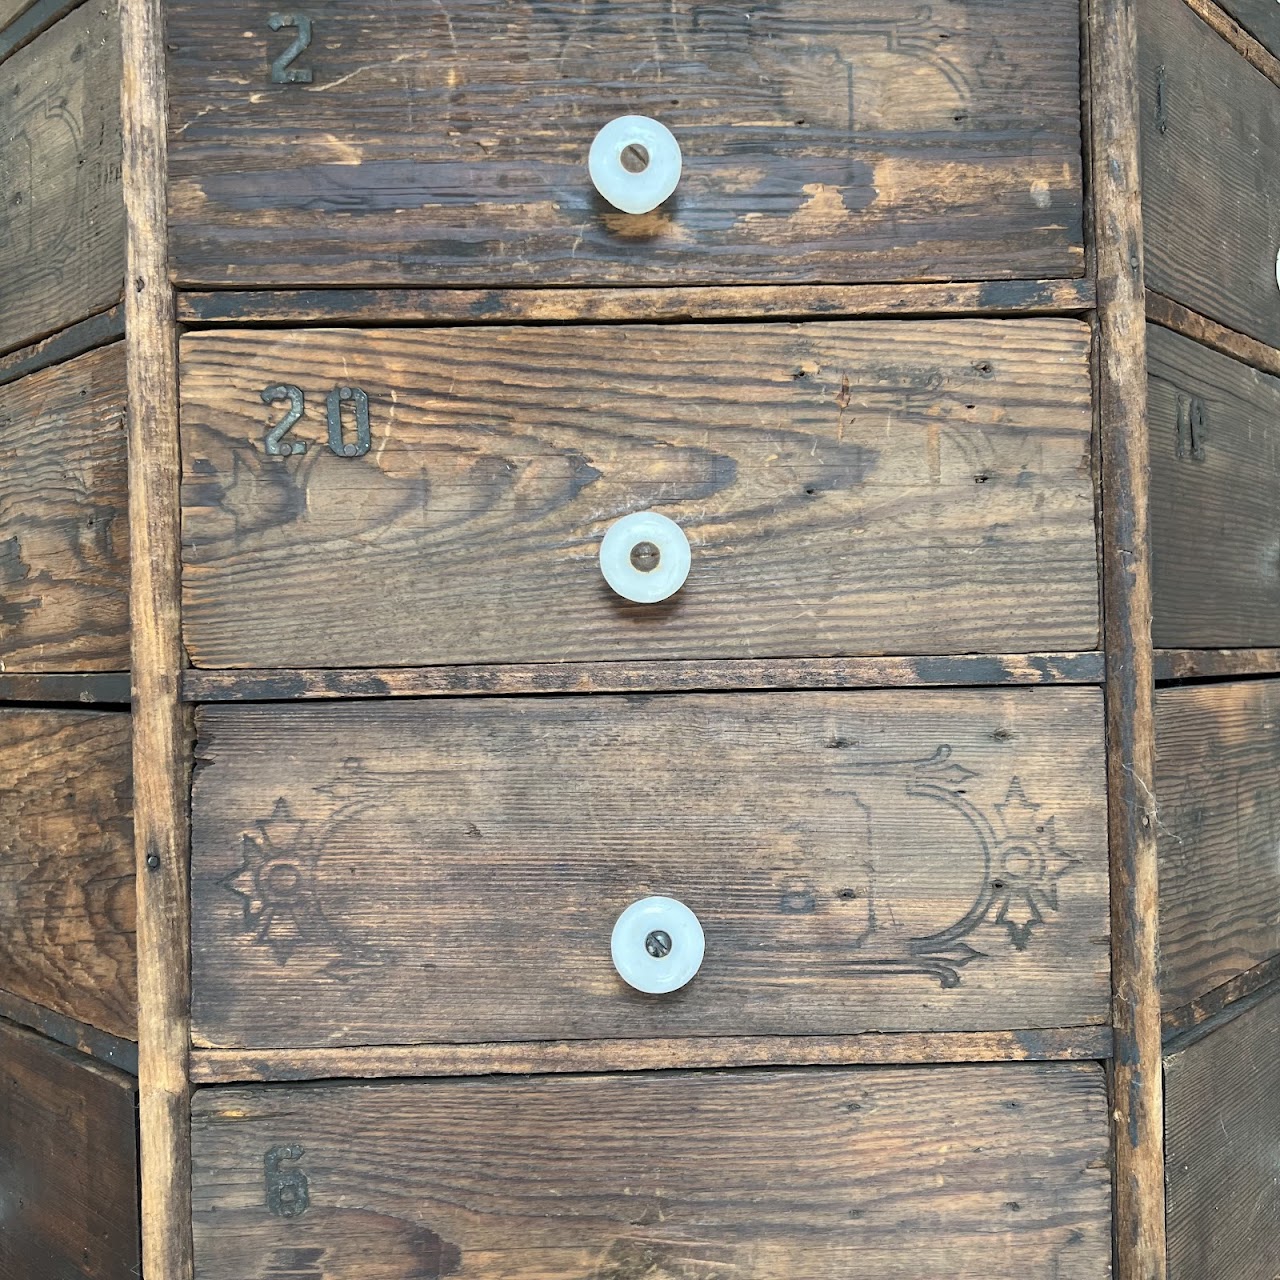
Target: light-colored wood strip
753,302
1137,1106
1173,315
161,728
1210,664
960,670
1254,51
233,1066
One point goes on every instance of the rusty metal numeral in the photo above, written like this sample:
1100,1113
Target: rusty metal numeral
364,436
1193,422
288,1195
282,72
275,437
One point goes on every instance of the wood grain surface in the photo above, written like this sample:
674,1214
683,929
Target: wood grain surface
1211,200
1213,498
989,1173
62,216
68,1164
446,143
1218,759
66,865
98,331
1223,1097
1215,664
402,872
1249,21
1172,315
64,518
10,9
859,488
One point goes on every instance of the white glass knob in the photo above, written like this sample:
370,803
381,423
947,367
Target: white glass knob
653,150
645,557
657,945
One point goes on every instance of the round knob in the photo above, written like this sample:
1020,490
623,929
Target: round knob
645,557
657,945
635,163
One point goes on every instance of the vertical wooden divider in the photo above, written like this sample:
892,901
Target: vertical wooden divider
161,727
1136,1083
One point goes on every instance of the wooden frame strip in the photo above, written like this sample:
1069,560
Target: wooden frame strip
1249,48
1136,1080
77,340
655,305
32,22
1215,664
1068,1044
95,687
161,730
101,1045
1179,1022
662,676
1209,333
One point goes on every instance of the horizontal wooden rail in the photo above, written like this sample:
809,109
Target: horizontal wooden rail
101,1045
88,335
1177,1023
1190,324
110,687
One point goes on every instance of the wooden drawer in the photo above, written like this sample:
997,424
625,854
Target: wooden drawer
66,865
62,242
1222,1115
68,1164
64,518
446,143
1218,759
968,1173
1211,185
384,873
848,488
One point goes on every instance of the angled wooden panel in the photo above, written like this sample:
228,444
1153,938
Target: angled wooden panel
62,216
386,873
66,865
1215,490
64,518
436,143
1218,760
848,489
1222,1107
1261,18
68,1164
10,9
1211,196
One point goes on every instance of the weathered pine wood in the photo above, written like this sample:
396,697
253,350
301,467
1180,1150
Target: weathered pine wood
66,865
1211,198
1215,488
1218,758
1170,315
860,488
87,335
813,1175
1223,1099
1251,26
1120,396
62,252
94,687
1201,664
548,306
68,1164
27,19
162,730
443,144
410,872
114,1050
930,1048
649,677
1178,1022
64,518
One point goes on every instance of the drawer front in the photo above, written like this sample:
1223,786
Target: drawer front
422,142
1222,1120
68,1164
66,865
1218,750
62,240
965,1173
855,488
1210,181
1215,489
64,518
383,873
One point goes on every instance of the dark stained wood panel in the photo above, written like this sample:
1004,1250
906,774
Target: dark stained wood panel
446,143
64,518
404,872
855,488
1216,576
66,865
68,1164
1216,781
1222,1097
10,9
62,217
1211,197
1260,18
964,1173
